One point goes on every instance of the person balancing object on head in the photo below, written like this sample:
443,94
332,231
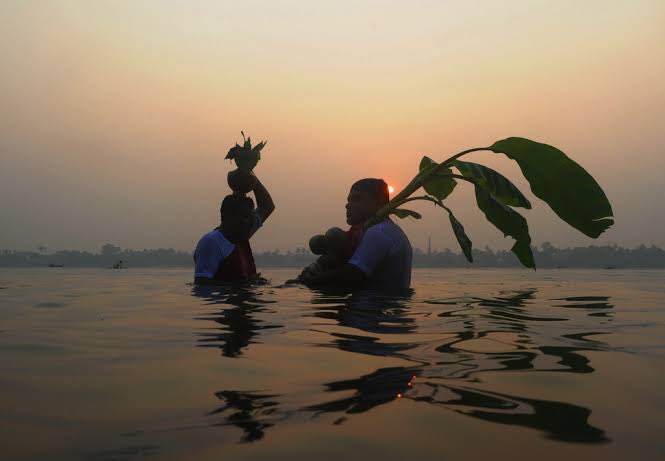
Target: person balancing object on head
224,254
379,258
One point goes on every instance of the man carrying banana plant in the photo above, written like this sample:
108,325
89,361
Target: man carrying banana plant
382,257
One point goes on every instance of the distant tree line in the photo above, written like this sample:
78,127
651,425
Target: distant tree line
109,255
547,256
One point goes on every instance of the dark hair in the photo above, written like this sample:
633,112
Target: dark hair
376,188
235,205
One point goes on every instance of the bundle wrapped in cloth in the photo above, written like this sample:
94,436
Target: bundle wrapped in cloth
334,248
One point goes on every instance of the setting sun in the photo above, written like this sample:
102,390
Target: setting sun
391,189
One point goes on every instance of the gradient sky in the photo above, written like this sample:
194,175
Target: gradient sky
116,115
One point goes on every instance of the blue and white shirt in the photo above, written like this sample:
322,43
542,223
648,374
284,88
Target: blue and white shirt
213,248
385,255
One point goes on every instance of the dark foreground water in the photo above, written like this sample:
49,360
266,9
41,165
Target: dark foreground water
497,364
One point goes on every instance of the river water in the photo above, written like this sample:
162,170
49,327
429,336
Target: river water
132,364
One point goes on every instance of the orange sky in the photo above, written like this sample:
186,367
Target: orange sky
116,116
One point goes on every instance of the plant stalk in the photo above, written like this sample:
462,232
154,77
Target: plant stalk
416,183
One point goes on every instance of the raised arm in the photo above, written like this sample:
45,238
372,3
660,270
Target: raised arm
264,204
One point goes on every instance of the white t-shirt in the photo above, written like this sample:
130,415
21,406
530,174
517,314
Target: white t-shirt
385,255
213,248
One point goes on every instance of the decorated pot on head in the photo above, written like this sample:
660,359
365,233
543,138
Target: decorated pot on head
242,179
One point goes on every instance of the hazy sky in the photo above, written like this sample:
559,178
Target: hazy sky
116,115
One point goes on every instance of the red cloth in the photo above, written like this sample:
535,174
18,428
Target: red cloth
239,265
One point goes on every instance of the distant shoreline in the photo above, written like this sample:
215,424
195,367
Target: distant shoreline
546,256
469,267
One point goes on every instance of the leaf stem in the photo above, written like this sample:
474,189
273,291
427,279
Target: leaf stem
421,197
459,176
416,183
456,156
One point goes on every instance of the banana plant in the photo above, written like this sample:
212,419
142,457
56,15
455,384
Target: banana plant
570,191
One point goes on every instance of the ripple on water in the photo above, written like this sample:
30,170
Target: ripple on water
451,350
498,353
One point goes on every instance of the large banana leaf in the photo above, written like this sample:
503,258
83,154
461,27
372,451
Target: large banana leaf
494,182
571,192
463,240
510,222
442,184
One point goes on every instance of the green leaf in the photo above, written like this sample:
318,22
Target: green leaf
494,182
233,152
402,213
510,222
571,192
259,146
522,249
442,184
462,238
425,163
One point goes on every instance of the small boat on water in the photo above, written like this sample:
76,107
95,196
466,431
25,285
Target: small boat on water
118,265
56,265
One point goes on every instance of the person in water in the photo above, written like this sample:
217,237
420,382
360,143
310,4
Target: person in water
381,255
224,254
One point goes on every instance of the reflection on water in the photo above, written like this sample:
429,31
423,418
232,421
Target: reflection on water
477,364
250,411
558,420
471,337
237,308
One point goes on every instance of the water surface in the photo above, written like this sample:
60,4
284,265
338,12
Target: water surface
139,364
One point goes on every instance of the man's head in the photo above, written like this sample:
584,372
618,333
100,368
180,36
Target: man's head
366,197
237,213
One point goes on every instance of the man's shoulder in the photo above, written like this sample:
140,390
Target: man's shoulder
215,238
386,235
385,227
377,231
